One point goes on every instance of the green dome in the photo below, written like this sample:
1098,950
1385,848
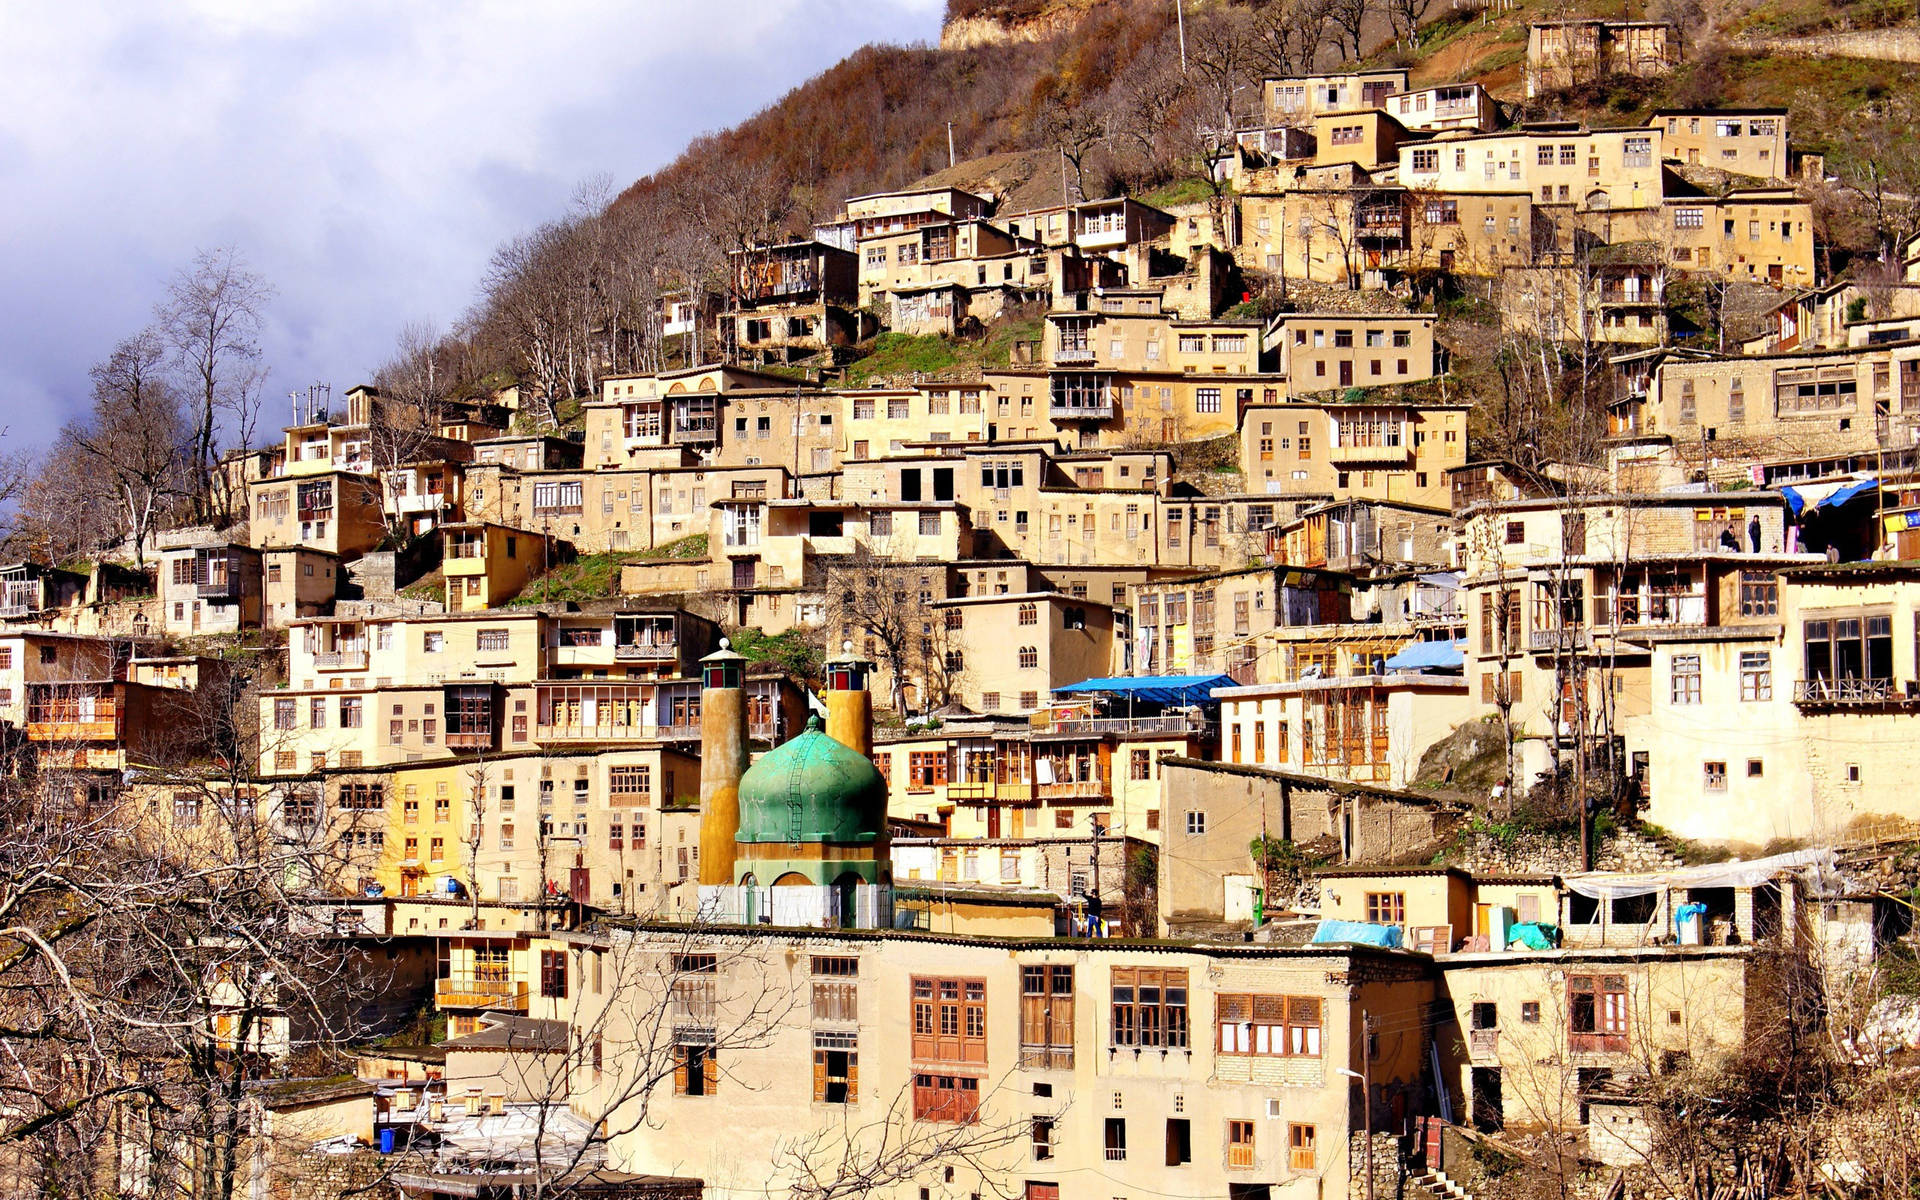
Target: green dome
813,789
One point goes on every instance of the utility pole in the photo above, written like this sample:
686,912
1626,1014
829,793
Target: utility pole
949,143
1366,1090
1180,18
1094,907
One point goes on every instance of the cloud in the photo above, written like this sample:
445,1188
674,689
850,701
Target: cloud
365,157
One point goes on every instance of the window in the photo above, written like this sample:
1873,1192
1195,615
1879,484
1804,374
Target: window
1029,657
1046,1016
1268,1026
1689,218
1759,594
836,989
1116,1138
1597,1012
1685,685
1715,776
490,641
1387,908
1854,648
433,643
1426,161
1300,1150
1636,152
952,1098
695,1071
351,709
927,768
1140,763
1240,1144
1756,675
625,782
285,716
949,1020
1149,1008
836,1068
1042,1139
553,973
1530,1012
1206,400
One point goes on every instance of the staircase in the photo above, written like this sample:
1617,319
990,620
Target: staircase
1434,1184
1631,850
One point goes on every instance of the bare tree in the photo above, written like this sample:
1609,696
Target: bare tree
136,438
1347,20
211,319
881,597
1406,17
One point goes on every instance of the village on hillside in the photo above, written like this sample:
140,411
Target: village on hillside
1041,695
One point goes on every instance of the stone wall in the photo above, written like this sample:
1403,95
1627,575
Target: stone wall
1559,854
1899,44
315,1176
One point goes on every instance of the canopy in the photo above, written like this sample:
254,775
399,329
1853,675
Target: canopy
1603,885
1422,656
1157,689
1797,500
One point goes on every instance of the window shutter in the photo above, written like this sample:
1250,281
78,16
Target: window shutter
680,1070
853,1078
819,1076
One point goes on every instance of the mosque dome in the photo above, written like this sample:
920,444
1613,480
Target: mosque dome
813,789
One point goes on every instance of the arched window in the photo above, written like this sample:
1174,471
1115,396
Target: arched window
1029,657
1029,614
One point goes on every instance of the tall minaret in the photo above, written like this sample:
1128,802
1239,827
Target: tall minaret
849,703
723,760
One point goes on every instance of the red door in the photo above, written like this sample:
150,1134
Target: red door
1346,373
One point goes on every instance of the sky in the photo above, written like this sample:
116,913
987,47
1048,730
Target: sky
365,158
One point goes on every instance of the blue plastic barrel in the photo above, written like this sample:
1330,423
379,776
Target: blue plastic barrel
386,1139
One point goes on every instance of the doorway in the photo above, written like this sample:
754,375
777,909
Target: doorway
1488,1109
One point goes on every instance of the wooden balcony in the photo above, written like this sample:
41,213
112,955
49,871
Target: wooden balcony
340,660
646,652
503,994
1854,693
1373,454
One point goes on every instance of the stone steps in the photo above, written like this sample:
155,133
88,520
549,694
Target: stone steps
1434,1183
1631,850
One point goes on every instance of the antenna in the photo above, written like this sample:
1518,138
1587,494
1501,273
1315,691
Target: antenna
949,143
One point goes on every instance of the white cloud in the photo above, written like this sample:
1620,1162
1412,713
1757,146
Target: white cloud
367,158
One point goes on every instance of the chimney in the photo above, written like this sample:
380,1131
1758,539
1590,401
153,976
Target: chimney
849,703
723,760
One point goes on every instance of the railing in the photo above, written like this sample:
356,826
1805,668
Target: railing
646,652
470,739
596,733
1046,1058
17,608
695,431
1378,453
480,993
1483,1041
340,660
219,589
1655,609
1850,691
1075,789
1094,726
1557,639
1083,410
1073,354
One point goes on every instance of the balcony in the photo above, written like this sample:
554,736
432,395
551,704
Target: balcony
470,739
599,733
1123,726
340,660
420,502
481,993
226,587
982,791
1484,1043
1075,789
17,608
1074,355
696,430
1374,455
1082,410
1546,641
654,652
1844,693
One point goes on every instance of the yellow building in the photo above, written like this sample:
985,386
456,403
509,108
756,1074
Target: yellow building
487,565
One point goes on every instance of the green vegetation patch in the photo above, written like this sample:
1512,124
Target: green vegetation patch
686,549
790,650
590,577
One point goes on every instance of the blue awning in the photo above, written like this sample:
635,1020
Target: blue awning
1797,502
1422,656
1157,689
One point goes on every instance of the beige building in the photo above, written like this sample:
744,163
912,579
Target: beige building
1365,727
1378,450
1598,170
487,565
1010,652
1446,106
1746,141
1214,1066
1564,54
1366,137
1296,100
1217,622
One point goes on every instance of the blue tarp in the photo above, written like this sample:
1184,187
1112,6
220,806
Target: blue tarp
1157,689
1796,503
1423,656
1331,931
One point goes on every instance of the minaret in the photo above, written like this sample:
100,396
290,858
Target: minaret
849,703
723,760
